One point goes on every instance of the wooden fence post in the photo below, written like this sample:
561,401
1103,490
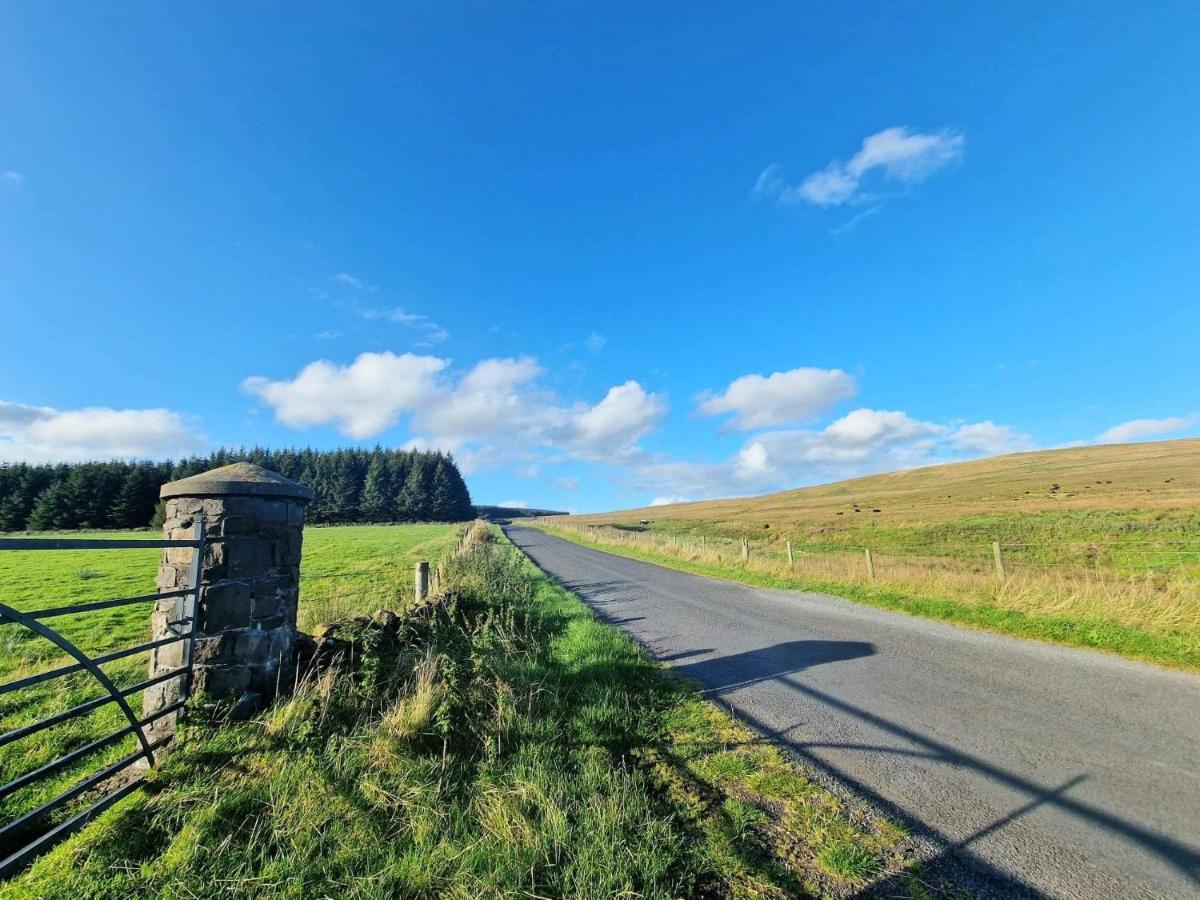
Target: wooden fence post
745,550
870,564
996,555
791,561
421,581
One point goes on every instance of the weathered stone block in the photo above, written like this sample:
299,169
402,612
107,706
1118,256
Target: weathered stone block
169,656
253,647
222,681
266,604
247,557
214,649
224,609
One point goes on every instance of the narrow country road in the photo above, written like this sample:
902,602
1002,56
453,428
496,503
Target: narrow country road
1068,773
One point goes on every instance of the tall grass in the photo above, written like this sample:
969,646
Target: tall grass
1153,615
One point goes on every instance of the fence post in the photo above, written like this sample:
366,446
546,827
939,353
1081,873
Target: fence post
870,564
745,550
249,588
421,581
791,560
999,559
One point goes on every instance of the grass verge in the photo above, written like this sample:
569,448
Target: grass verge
1177,649
512,745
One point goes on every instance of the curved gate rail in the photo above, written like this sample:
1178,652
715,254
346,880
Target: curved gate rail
20,840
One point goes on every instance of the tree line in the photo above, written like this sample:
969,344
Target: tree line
351,485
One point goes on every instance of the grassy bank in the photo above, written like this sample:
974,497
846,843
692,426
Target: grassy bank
1153,622
346,569
511,745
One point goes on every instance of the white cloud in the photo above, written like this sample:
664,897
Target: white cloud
515,504
495,412
898,154
1136,429
595,342
862,442
760,402
567,484
613,426
989,439
15,179
349,280
667,501
361,399
44,434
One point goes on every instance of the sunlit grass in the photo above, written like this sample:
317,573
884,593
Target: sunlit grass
518,747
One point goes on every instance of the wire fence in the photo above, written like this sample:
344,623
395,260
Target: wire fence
1146,584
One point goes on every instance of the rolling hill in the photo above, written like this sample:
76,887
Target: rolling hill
1077,493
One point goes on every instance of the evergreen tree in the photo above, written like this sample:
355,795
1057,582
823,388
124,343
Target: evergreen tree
418,490
374,504
54,509
135,502
445,503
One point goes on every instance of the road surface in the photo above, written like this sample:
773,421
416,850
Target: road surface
1065,772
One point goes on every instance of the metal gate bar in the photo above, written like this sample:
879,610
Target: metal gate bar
15,830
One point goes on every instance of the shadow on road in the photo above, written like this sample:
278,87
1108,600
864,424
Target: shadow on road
781,663
738,670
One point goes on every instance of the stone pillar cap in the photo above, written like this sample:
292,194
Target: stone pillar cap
240,479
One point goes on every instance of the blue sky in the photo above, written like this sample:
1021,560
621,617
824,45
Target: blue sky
606,253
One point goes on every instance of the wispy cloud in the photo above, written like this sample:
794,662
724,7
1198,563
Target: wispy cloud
350,281
14,179
431,332
1137,429
898,155
595,342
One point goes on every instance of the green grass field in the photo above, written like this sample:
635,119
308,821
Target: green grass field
515,746
346,570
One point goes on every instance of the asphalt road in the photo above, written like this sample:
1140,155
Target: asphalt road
1065,772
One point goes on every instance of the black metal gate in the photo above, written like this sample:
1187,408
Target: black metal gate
28,835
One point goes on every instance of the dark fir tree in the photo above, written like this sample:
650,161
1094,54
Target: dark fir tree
375,503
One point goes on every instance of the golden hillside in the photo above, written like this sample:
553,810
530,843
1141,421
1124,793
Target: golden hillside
1162,476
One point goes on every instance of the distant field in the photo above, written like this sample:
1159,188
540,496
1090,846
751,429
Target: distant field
1143,497
1100,545
346,570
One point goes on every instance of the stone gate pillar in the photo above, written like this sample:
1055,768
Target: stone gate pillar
246,618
